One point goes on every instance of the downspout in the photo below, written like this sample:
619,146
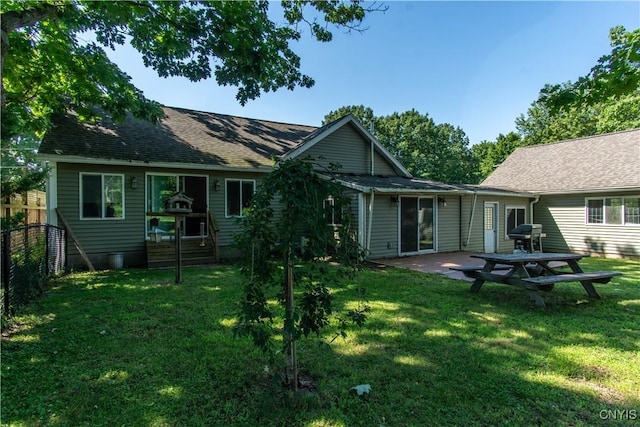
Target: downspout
371,200
372,149
370,217
473,211
533,202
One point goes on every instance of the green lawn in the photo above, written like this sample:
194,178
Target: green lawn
131,348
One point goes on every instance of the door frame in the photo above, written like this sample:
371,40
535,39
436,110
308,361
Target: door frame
495,222
179,183
434,226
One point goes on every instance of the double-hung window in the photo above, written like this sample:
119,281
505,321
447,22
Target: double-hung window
632,210
613,210
239,193
514,216
101,196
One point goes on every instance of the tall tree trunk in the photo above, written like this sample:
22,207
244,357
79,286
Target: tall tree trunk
289,326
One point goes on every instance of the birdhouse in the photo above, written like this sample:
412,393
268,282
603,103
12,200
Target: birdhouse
178,203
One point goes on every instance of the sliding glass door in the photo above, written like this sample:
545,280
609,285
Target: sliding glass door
416,225
162,186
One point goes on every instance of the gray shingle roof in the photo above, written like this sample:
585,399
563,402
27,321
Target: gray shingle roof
401,184
182,136
610,161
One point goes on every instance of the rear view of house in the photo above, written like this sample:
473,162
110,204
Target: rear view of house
108,182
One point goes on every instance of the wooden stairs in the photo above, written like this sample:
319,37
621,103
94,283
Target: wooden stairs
195,251
164,254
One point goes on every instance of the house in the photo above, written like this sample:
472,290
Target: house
587,191
108,182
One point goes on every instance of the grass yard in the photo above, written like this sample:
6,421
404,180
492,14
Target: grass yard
131,348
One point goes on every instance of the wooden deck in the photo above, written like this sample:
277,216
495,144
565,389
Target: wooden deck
163,254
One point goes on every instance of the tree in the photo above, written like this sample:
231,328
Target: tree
47,67
44,56
308,206
615,75
428,150
363,114
20,171
542,124
490,154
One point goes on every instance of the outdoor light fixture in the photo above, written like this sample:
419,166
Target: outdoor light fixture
216,185
442,202
394,200
134,183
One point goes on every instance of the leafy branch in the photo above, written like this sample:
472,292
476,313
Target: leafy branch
288,243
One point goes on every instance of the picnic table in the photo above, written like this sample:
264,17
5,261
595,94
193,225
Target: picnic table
534,272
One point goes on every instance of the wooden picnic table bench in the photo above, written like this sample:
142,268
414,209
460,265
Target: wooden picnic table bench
595,276
465,268
534,272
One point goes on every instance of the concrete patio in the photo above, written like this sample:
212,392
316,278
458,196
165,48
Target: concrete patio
435,263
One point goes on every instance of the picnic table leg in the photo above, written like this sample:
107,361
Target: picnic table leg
591,290
477,284
586,284
535,296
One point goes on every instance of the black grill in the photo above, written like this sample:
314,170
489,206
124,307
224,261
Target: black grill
527,238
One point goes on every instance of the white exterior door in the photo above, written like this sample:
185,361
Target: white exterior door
490,227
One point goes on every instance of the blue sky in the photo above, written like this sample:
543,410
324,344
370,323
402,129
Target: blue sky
476,65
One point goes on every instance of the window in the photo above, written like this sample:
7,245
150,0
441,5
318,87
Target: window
613,210
239,195
161,186
332,214
101,196
632,210
595,211
515,216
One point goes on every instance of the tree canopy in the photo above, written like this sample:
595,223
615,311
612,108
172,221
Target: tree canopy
614,76
49,63
491,154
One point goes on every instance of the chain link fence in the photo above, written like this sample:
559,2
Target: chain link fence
30,256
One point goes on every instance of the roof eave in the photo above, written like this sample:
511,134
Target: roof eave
586,190
137,163
453,192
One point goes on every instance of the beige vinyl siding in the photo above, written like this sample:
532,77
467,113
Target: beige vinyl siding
384,231
476,240
229,226
347,147
99,237
385,234
563,220
448,229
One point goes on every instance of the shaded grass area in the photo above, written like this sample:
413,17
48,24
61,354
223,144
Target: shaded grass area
132,348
